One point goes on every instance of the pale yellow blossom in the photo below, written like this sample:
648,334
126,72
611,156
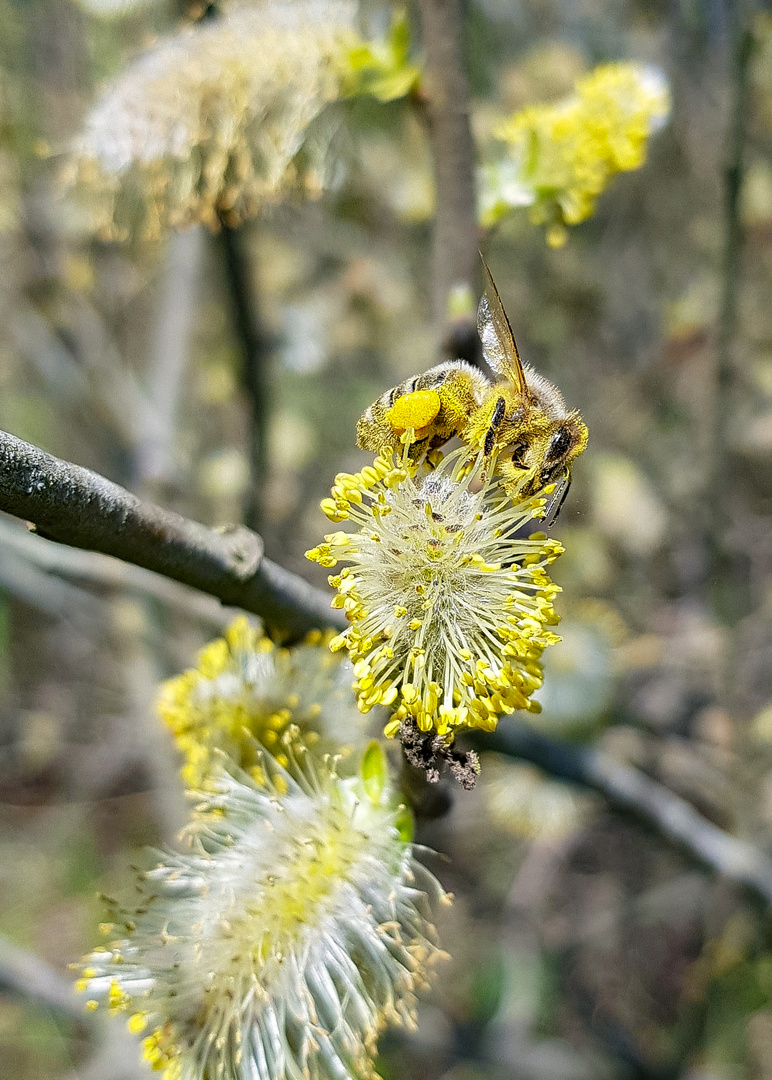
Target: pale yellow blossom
450,606
562,157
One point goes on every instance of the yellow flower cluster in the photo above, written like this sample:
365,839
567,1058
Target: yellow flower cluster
563,156
449,606
245,691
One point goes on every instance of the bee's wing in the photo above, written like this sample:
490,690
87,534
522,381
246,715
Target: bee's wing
498,341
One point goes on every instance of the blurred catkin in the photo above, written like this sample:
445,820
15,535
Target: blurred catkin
214,122
246,693
560,158
294,926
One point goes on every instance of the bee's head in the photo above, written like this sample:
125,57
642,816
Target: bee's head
542,456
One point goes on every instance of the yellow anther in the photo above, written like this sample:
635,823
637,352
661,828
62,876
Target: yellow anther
338,539
137,1023
395,477
369,476
383,466
392,727
331,510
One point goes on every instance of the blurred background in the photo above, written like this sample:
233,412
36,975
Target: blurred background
221,373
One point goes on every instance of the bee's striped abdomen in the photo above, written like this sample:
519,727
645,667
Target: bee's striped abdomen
460,388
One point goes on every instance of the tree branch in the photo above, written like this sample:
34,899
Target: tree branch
78,507
114,1051
456,237
624,787
21,578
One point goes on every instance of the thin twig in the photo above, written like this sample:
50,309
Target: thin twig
134,617
741,43
456,237
71,383
78,507
626,788
116,1056
254,359
741,51
141,672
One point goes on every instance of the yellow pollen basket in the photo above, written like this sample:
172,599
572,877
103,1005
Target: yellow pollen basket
416,410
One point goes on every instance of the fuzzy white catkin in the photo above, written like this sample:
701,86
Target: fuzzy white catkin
295,927
210,121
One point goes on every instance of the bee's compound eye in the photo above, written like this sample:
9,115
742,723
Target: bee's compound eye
415,410
560,443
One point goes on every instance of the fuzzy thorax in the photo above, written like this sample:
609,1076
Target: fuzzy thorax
450,608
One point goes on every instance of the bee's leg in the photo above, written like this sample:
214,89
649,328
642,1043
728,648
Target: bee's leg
414,410
495,424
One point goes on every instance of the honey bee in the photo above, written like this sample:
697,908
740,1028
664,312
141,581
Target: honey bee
520,423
